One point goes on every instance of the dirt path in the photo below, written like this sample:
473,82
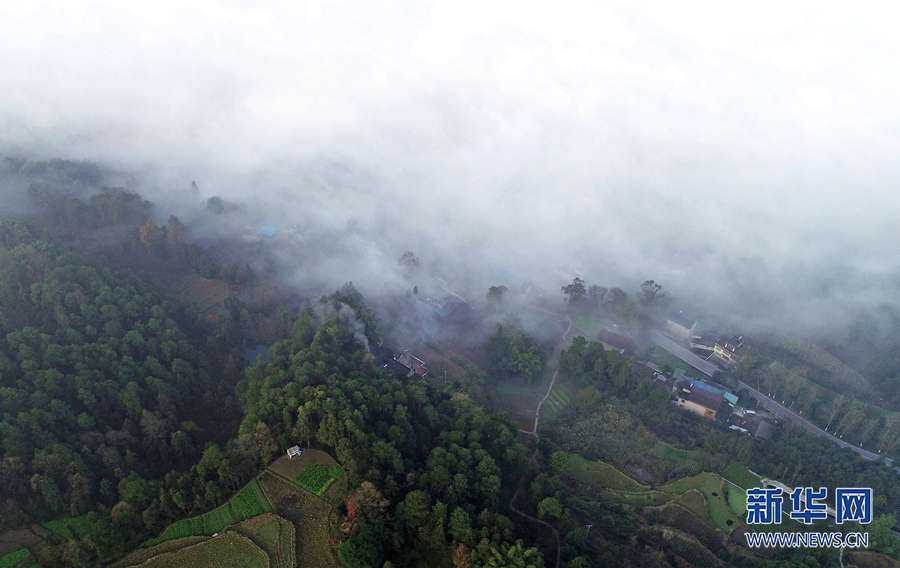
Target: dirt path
563,344
534,432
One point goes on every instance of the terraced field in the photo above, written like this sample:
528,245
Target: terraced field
601,473
263,541
225,551
249,502
274,535
310,516
712,499
712,488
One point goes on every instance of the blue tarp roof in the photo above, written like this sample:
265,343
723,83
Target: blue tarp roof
708,388
268,231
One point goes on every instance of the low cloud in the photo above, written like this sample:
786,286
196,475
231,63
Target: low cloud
743,156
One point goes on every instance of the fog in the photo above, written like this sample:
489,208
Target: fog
744,157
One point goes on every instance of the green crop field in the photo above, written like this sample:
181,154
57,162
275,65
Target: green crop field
64,526
225,551
559,397
317,478
218,519
180,529
250,501
601,473
742,477
14,558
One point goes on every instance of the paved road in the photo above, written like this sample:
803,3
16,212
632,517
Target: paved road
769,404
775,408
694,361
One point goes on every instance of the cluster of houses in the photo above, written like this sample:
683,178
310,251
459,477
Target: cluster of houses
707,398
716,402
725,349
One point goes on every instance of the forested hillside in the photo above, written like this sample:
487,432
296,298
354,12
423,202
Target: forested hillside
118,407
438,466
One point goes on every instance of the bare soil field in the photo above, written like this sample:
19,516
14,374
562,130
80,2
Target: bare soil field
289,468
23,537
310,515
208,294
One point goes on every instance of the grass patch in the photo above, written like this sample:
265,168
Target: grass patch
685,484
643,499
225,551
64,526
601,473
317,478
506,389
589,325
742,477
737,499
667,361
719,510
694,502
667,452
14,558
711,487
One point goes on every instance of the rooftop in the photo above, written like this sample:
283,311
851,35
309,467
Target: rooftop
706,399
684,322
616,341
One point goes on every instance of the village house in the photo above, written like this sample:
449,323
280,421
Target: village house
701,402
704,343
730,348
615,341
701,398
680,327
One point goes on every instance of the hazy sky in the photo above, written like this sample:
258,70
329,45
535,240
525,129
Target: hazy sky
743,144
